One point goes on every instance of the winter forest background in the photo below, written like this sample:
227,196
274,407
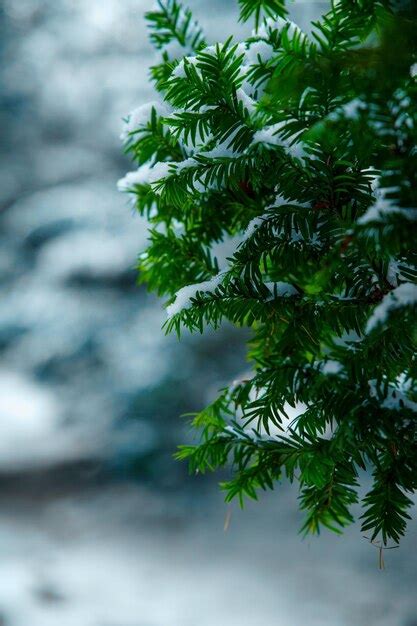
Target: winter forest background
98,525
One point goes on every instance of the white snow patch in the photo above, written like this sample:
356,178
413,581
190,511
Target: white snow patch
148,174
349,110
259,51
240,50
138,177
184,295
225,249
26,410
179,70
382,208
248,102
186,164
331,367
396,398
161,170
175,50
221,151
254,225
31,434
402,296
257,221
269,135
139,117
212,49
393,272
269,25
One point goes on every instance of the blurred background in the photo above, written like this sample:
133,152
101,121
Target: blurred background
98,525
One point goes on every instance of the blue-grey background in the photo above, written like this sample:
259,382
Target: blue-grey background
98,526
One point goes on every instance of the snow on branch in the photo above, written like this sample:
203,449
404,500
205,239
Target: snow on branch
403,296
183,296
141,116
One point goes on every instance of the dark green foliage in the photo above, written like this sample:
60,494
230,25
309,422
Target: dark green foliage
172,22
257,8
299,153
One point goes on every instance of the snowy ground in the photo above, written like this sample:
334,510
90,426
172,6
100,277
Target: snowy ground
124,556
87,378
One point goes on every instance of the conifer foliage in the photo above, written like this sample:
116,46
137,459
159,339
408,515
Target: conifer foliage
299,153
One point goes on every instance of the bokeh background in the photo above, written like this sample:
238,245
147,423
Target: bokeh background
98,525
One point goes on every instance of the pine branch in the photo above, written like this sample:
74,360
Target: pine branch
173,22
297,154
258,8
